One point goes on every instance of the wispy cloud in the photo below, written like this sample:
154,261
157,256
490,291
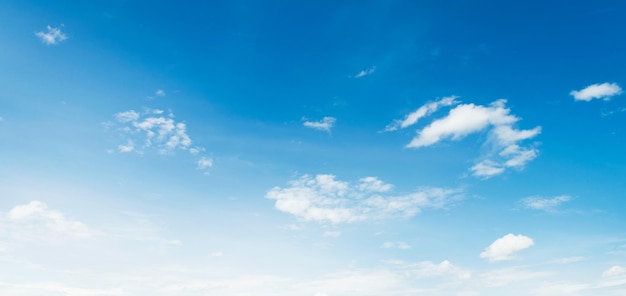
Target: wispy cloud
466,119
364,73
544,204
205,163
326,124
51,36
423,111
322,198
597,91
395,245
505,247
159,93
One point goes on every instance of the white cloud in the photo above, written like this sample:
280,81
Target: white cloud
324,199
423,111
614,271
51,36
504,247
37,215
326,124
597,91
398,245
127,116
158,130
129,147
159,93
568,260
466,119
205,163
544,204
373,184
217,254
364,73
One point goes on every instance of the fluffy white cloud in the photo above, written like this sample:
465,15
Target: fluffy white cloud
326,124
159,93
504,247
38,215
544,204
466,119
423,111
324,199
614,271
127,116
364,73
597,91
373,184
51,36
398,245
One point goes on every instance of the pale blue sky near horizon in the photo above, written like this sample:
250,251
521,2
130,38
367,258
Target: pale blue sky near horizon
312,148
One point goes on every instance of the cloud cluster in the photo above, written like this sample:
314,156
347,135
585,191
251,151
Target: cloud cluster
155,129
505,247
322,198
597,91
466,119
326,124
52,36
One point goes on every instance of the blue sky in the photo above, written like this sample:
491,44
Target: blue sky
312,148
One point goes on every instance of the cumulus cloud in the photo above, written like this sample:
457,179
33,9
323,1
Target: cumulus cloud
322,198
364,73
129,147
597,91
326,124
38,214
51,36
544,204
159,93
467,119
423,111
394,245
505,247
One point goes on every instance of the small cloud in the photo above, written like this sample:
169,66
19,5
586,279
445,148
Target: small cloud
614,271
196,150
544,204
127,116
326,124
373,184
504,247
364,73
52,36
159,93
217,254
396,245
597,91
129,147
205,163
332,234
